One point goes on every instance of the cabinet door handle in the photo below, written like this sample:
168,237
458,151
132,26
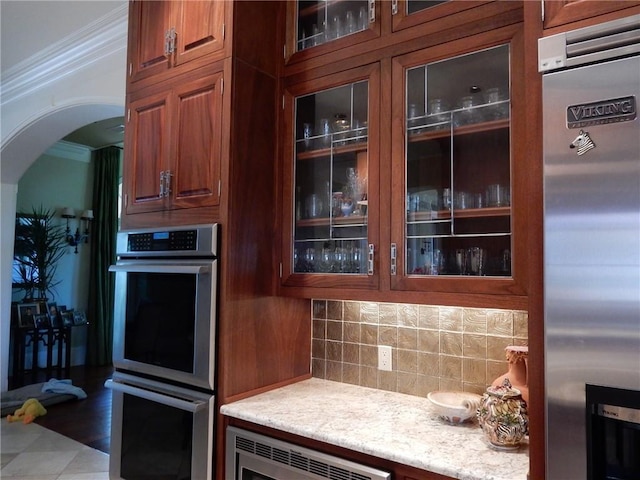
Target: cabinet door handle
172,44
370,260
167,182
372,11
161,184
394,253
394,7
167,42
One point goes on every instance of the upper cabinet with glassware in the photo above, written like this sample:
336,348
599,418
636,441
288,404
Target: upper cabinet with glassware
405,174
333,24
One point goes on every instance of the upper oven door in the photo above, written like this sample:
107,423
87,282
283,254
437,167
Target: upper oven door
165,319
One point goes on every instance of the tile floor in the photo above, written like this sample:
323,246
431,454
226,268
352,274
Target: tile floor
32,452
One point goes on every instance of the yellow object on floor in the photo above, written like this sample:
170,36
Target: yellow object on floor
31,409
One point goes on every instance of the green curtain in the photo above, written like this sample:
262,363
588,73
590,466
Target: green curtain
103,254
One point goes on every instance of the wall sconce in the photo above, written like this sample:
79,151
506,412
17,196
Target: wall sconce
86,218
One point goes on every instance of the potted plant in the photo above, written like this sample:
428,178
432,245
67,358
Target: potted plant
39,245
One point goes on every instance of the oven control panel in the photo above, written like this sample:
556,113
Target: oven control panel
163,241
195,240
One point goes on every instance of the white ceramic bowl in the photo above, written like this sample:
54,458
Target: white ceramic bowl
455,407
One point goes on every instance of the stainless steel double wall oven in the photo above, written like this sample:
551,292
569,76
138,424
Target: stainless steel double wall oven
164,353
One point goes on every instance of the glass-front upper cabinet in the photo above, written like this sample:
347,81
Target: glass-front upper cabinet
321,21
457,167
330,183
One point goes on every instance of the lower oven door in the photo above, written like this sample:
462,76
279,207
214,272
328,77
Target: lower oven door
159,430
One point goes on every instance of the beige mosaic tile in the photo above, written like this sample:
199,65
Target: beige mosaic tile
451,367
451,318
474,320
388,314
388,335
432,347
334,310
474,345
428,364
319,329
500,322
408,315
352,332
369,312
451,343
352,311
407,361
368,376
334,371
426,384
319,309
351,374
429,341
429,317
351,353
520,325
334,330
369,334
407,338
496,347
407,383
334,351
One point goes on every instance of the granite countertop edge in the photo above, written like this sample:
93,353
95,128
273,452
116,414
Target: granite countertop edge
393,426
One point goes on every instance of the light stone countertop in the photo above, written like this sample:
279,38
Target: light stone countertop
394,426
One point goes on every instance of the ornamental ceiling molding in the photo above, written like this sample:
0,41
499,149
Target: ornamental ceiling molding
95,41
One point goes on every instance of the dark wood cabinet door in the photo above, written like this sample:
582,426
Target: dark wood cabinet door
149,24
199,29
563,12
196,169
147,146
164,35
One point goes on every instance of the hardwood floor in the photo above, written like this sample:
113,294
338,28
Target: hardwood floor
87,421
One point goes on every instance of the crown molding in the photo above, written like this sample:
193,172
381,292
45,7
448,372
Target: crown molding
99,39
70,150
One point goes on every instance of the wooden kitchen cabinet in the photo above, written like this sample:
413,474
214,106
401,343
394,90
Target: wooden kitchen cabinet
445,195
173,144
333,229
322,30
562,15
164,36
456,170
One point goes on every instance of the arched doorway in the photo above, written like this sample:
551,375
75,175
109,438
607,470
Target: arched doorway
17,155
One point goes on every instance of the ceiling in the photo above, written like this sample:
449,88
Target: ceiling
99,134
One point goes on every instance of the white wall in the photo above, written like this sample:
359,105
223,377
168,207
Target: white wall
76,81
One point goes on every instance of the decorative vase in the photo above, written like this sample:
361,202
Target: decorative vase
518,358
503,416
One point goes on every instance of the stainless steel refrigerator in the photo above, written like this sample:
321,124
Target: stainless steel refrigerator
591,129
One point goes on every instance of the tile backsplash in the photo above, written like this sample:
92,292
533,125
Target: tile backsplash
433,347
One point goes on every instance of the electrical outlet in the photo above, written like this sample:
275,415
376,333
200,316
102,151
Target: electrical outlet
384,358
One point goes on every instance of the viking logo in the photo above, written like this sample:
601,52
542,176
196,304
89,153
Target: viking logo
583,143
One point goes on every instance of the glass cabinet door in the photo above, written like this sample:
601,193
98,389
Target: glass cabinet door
458,166
331,167
321,21
414,6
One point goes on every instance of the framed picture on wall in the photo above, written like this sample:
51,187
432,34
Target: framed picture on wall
26,314
41,320
67,318
79,318
55,319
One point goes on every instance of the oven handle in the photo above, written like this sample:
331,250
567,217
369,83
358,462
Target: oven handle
192,406
183,269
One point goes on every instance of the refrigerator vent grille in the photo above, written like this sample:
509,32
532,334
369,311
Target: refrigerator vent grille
606,41
299,461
